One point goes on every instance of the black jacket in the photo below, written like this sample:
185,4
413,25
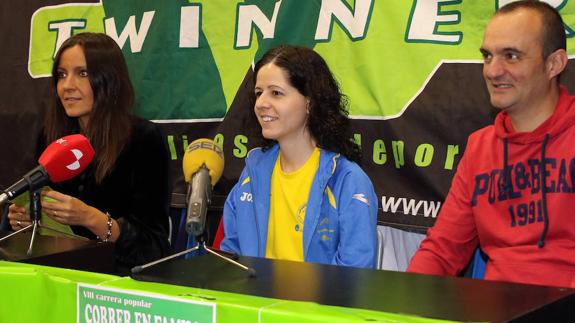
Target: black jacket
136,194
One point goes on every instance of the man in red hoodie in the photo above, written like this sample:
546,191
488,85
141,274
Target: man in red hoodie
514,191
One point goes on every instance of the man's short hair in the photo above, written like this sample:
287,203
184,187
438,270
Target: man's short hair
553,34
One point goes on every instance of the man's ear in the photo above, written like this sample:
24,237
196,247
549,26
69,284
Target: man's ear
556,63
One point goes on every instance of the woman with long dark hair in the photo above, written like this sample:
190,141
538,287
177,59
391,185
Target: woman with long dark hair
302,195
123,194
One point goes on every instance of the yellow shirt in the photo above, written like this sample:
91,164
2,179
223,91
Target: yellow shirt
288,201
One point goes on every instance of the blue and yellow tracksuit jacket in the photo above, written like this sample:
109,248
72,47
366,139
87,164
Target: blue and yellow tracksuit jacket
341,215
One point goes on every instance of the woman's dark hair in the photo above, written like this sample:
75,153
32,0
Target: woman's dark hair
328,120
109,126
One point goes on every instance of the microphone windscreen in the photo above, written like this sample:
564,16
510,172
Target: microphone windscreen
67,157
203,151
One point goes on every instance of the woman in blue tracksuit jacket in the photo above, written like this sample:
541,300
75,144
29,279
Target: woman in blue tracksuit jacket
299,107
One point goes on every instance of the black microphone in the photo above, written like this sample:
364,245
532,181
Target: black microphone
33,180
203,164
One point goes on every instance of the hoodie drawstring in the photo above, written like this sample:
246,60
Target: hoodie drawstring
506,185
506,169
541,242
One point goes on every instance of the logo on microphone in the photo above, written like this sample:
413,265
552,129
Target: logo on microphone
206,144
76,164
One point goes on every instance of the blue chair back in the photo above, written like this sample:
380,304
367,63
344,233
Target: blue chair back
479,262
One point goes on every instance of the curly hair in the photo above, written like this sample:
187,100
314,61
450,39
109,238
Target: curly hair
328,120
109,127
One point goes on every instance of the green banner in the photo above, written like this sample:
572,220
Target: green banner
188,58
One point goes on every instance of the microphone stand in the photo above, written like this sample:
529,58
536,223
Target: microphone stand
197,208
201,244
35,225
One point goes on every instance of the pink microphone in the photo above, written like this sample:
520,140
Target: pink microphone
62,160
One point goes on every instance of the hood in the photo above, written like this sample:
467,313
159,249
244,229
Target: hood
562,118
265,160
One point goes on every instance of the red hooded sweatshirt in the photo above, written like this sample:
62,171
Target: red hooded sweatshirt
514,195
